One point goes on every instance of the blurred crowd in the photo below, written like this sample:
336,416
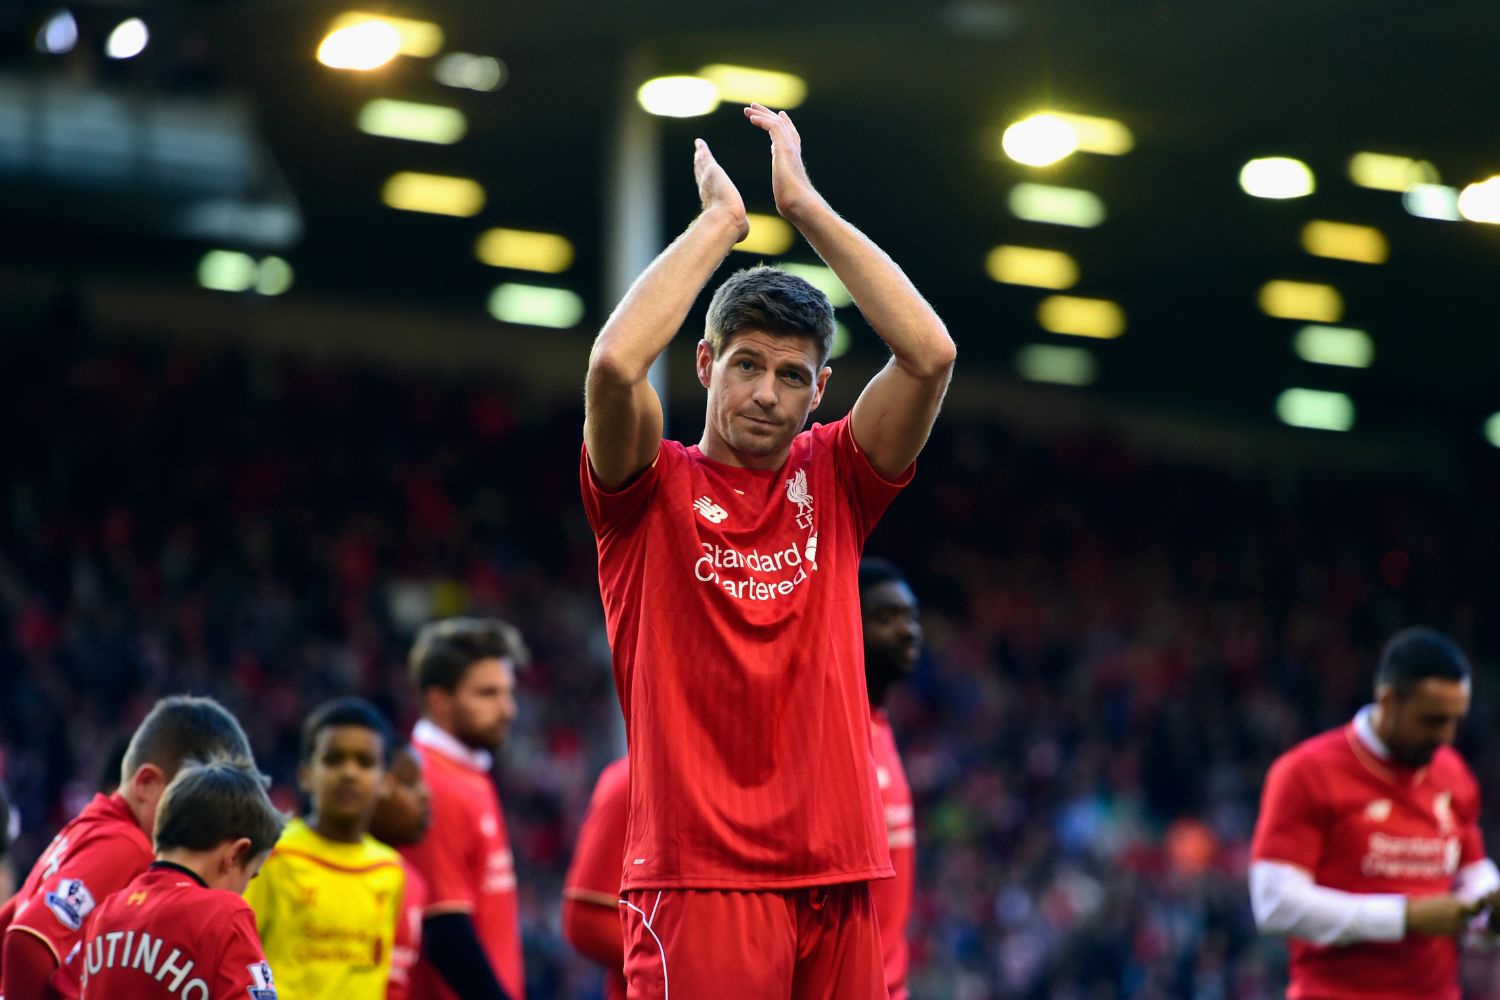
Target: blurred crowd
1118,645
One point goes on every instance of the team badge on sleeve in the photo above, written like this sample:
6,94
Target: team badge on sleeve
71,903
262,987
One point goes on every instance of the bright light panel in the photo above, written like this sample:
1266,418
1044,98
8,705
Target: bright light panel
128,40
824,280
412,121
1386,172
1078,317
1492,430
535,305
1099,135
1301,300
1058,206
1059,365
1432,201
523,250
678,96
470,72
420,39
1039,141
1277,177
1344,241
227,271
769,234
274,277
1334,345
433,193
1012,265
361,47
746,84
1316,409
1480,202
58,35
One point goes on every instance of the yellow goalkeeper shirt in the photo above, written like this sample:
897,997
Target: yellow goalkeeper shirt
327,912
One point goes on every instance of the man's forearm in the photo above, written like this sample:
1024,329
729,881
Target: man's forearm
885,295
652,312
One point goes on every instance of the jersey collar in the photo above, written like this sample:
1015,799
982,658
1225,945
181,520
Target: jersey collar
429,734
173,866
1364,728
1375,755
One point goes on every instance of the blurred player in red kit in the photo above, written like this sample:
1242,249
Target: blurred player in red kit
109,843
892,643
1367,852
182,930
728,572
402,818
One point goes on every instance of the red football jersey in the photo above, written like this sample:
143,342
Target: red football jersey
168,935
96,854
893,896
408,946
1358,823
731,598
594,874
468,866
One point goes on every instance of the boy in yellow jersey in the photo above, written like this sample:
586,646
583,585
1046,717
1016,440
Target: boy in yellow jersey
327,900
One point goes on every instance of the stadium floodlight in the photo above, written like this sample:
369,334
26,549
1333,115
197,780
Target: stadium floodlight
1343,346
128,40
1480,202
764,86
1056,364
274,276
1013,265
524,250
536,305
58,34
227,271
824,280
1388,172
678,96
1492,430
769,234
435,194
1277,177
1306,300
412,121
1040,140
1104,136
1058,206
466,71
361,47
1432,201
1345,241
1073,316
1315,409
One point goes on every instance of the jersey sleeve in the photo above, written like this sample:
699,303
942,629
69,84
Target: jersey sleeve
243,973
1468,816
868,492
594,874
610,511
55,913
1291,826
447,857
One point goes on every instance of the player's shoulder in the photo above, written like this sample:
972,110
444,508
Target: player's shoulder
614,779
377,854
1450,765
1312,755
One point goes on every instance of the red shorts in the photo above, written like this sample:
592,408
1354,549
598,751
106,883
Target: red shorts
806,943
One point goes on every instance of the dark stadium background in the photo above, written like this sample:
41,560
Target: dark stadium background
1137,592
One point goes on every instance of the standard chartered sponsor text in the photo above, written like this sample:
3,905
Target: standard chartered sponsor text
717,558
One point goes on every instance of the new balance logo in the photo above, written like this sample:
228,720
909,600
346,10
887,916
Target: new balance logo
711,511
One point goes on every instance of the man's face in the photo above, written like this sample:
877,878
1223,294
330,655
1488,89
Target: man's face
484,703
346,774
404,814
1414,727
893,632
761,389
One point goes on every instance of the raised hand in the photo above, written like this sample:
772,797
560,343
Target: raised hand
794,192
716,192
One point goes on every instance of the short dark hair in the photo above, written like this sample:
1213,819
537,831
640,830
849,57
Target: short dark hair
207,804
874,571
1417,653
445,650
346,712
184,728
768,298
